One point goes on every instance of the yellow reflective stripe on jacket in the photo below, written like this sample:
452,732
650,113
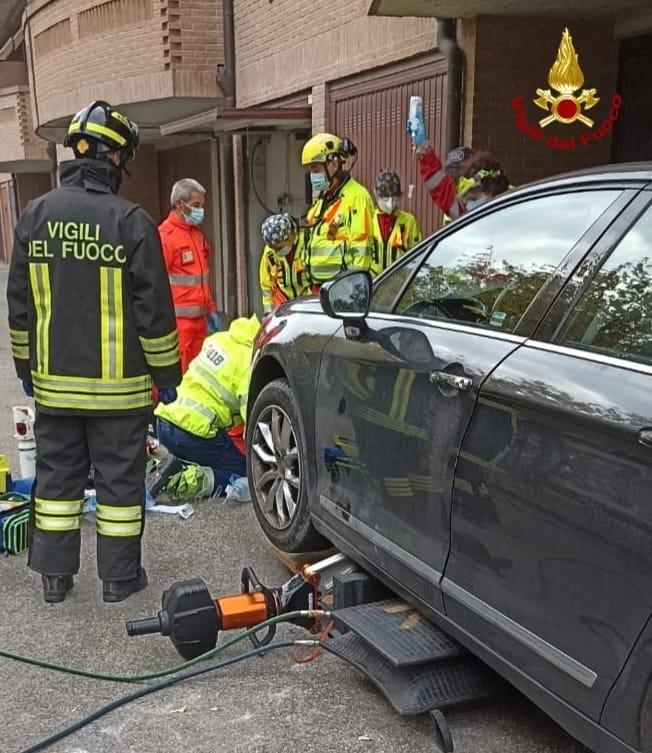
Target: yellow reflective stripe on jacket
57,515
119,521
39,276
112,323
161,351
19,336
205,374
91,385
19,343
94,401
20,351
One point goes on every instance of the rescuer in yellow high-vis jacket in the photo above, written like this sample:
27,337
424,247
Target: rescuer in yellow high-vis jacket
395,231
92,327
204,425
283,271
340,218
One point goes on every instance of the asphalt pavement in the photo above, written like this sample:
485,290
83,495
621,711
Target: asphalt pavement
264,705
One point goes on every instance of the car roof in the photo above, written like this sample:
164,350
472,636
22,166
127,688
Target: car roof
640,172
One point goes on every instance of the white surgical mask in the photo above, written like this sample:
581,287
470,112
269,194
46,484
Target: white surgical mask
478,201
284,250
387,205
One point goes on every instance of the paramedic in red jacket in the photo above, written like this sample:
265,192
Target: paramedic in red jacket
186,252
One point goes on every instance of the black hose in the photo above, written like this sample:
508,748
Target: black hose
103,710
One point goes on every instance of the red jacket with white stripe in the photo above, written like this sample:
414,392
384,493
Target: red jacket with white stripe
440,185
186,253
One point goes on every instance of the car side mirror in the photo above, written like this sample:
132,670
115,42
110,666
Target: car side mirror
347,297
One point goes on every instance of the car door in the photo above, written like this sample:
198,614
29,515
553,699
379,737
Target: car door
551,563
395,395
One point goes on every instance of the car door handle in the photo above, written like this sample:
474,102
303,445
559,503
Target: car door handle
645,437
444,379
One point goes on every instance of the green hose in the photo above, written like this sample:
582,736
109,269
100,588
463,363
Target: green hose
164,672
72,728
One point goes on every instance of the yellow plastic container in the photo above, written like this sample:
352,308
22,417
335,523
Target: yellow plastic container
5,478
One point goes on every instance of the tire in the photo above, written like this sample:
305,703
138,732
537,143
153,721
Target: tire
280,479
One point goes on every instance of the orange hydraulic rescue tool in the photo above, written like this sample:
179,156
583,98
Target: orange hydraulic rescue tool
192,619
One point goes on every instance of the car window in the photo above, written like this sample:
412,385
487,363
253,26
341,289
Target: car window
386,291
614,316
487,273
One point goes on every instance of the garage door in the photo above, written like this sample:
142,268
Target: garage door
632,139
373,114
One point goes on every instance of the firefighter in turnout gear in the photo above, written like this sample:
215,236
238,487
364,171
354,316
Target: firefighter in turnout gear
92,327
395,231
204,425
283,272
340,217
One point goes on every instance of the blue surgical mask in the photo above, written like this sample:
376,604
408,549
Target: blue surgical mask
196,216
319,182
478,201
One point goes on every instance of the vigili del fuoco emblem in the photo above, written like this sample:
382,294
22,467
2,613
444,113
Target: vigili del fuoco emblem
566,78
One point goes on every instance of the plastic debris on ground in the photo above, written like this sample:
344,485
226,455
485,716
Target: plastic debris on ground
238,489
183,511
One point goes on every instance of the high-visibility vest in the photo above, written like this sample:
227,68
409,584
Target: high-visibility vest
213,393
404,235
186,253
340,232
283,277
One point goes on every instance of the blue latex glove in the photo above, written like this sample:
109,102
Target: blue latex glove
167,396
213,323
28,387
417,130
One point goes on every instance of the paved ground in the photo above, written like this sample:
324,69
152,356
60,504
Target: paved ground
267,705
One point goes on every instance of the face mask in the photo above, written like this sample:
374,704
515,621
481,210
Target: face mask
319,182
472,204
387,205
284,250
196,216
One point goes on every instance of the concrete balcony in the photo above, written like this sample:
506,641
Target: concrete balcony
21,151
154,59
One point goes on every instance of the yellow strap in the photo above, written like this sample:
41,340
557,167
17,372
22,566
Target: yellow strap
160,344
39,275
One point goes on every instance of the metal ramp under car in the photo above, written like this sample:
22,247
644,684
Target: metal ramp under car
418,667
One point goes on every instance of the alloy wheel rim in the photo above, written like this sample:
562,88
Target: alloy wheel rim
276,466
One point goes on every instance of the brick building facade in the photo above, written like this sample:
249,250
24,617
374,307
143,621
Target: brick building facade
302,66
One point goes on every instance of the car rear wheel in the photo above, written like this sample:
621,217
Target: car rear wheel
279,475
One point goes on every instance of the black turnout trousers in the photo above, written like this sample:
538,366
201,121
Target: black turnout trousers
67,446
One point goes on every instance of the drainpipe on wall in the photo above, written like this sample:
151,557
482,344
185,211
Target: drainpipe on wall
226,80
449,48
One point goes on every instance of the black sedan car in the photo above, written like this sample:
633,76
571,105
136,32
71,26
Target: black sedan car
475,429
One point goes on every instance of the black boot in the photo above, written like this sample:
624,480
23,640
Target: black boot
55,587
119,590
158,478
